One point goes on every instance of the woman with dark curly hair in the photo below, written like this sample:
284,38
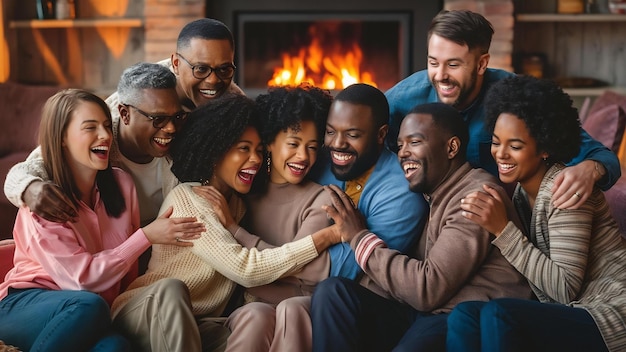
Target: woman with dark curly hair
186,289
573,259
284,208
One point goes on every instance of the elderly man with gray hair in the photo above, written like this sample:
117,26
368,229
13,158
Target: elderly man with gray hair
145,121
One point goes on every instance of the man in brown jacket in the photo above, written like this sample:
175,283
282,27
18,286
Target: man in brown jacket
404,300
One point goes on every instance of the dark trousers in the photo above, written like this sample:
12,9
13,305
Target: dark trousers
348,317
512,325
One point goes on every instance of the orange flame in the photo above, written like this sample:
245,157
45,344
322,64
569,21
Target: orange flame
326,70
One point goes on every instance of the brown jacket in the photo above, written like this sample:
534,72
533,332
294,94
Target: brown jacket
454,262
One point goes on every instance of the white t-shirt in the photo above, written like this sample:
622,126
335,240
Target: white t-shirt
148,180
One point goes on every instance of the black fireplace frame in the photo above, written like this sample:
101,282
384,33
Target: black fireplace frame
404,19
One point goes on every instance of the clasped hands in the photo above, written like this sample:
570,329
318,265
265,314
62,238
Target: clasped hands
348,220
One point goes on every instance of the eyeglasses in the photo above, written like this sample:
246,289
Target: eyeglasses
223,72
161,121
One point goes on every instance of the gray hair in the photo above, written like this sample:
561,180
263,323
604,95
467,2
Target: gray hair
142,76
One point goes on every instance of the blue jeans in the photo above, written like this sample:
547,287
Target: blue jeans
49,320
511,325
348,317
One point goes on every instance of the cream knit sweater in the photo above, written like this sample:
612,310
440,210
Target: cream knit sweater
216,262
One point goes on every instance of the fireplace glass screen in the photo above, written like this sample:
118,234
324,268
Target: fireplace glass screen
330,51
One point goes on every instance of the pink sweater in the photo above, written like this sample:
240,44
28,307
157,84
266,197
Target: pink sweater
94,253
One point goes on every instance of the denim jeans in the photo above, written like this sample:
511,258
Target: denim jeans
50,320
511,325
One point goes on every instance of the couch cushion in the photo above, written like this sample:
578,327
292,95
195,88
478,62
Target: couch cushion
606,125
8,211
21,113
7,248
607,98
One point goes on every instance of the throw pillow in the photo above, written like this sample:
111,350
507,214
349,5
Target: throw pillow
607,126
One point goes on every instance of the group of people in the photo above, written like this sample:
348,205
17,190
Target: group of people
299,221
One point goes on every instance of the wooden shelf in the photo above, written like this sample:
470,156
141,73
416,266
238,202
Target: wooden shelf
83,22
554,17
592,92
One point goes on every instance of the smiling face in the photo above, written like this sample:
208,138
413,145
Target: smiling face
424,152
352,139
240,164
516,154
139,140
293,153
205,52
455,71
87,139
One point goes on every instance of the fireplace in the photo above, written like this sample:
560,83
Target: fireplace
329,50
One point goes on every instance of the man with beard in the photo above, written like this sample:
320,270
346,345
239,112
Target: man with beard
457,75
404,300
357,161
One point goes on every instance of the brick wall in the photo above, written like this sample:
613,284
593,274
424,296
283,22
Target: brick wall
163,21
500,14
165,18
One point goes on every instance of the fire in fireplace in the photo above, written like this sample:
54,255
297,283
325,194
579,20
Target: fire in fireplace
330,51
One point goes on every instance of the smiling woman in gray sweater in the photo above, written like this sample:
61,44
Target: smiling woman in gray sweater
573,258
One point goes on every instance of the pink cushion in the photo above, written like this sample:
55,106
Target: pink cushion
608,98
606,125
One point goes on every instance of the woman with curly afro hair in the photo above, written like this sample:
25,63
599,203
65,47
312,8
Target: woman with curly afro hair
219,150
573,259
286,206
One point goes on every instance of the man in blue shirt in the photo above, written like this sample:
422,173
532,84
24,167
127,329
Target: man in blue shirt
355,159
457,74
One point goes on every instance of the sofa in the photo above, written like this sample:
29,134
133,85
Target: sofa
20,116
605,120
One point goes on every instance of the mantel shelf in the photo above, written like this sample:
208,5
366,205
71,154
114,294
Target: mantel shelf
83,22
553,17
593,92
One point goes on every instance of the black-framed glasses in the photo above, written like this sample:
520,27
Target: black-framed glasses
160,121
223,72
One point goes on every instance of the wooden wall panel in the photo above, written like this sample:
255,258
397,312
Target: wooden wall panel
577,49
86,57
568,49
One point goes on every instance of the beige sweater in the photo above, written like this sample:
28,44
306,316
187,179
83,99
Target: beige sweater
217,262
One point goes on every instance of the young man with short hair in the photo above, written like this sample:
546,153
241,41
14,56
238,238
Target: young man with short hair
457,74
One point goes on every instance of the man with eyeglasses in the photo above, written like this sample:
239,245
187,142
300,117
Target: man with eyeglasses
203,63
145,122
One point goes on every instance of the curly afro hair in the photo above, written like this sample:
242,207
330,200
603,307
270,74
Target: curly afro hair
209,132
546,110
284,107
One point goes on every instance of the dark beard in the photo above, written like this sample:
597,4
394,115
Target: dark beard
363,163
466,92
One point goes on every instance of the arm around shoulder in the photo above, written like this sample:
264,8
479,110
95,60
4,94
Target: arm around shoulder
22,175
590,149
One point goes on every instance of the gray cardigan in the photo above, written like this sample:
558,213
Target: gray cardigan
576,257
